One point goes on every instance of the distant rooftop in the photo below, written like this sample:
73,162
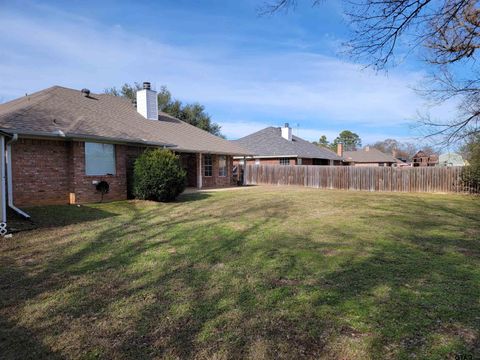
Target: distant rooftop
269,142
368,155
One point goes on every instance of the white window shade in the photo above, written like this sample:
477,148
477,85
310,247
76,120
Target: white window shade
99,159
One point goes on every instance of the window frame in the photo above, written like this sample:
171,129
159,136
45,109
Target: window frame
223,173
88,159
206,166
284,161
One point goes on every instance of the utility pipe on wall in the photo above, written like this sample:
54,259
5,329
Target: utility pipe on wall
10,176
199,173
2,174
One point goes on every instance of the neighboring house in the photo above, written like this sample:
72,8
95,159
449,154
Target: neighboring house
274,145
423,159
450,159
62,142
368,157
401,163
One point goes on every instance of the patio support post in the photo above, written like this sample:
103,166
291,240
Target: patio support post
2,185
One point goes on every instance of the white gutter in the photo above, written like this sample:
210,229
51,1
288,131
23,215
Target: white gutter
2,174
9,178
200,172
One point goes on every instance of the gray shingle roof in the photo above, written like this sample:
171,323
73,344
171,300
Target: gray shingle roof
371,155
269,142
107,117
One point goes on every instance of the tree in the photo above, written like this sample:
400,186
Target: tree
387,146
323,142
350,140
194,114
471,151
405,150
447,32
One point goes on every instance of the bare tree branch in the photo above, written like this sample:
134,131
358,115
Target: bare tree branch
449,33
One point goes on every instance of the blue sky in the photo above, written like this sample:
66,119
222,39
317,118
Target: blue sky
249,71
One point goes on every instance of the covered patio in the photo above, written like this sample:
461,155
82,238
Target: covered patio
206,170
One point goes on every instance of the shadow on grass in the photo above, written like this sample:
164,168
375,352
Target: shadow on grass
17,342
232,282
56,216
189,197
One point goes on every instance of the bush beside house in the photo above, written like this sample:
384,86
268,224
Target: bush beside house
158,175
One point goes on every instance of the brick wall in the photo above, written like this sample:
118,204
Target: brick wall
215,180
293,161
81,184
40,172
131,154
47,172
189,163
268,161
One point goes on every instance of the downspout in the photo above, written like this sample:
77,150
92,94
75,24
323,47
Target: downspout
2,185
200,173
10,176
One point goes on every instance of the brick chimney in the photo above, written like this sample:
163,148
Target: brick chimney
147,102
340,149
287,132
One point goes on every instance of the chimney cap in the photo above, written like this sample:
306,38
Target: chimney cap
85,92
286,125
146,85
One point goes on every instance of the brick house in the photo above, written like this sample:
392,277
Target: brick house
278,146
60,143
422,159
368,157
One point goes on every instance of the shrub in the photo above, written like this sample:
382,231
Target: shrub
158,175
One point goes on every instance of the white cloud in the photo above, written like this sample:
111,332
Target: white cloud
314,90
237,129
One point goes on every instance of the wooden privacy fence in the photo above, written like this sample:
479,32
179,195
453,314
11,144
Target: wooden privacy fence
414,179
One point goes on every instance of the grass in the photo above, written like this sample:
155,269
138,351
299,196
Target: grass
258,273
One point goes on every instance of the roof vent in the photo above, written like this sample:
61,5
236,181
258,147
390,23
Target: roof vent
86,92
146,86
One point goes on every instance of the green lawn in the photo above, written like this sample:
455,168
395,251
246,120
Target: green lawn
259,273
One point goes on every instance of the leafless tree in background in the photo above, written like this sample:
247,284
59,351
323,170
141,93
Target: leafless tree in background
445,33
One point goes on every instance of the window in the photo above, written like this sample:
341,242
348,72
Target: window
284,161
207,165
299,161
99,159
222,165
